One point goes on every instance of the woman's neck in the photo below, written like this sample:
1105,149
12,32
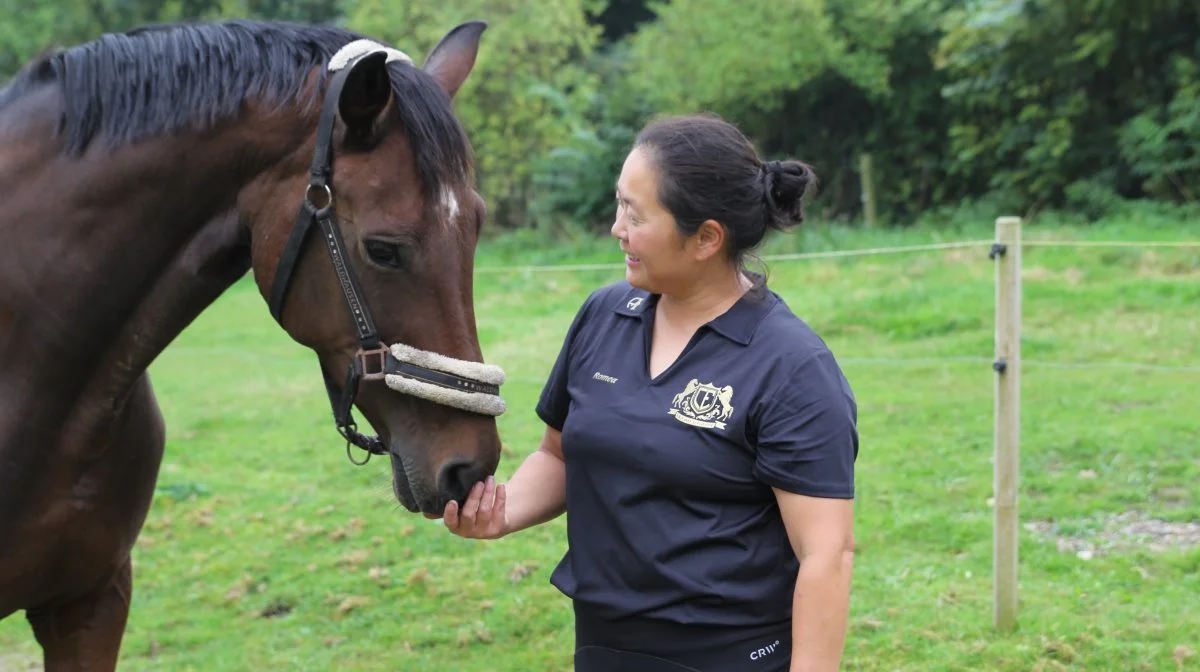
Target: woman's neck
704,299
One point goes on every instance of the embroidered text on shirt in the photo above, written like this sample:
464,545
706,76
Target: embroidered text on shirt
764,651
603,378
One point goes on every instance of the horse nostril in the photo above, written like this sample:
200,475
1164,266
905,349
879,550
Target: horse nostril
457,477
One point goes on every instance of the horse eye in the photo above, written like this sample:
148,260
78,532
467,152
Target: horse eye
386,253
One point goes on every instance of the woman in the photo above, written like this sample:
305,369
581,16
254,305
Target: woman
701,436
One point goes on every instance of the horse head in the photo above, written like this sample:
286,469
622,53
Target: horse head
363,246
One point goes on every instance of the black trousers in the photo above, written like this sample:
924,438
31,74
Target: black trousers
644,645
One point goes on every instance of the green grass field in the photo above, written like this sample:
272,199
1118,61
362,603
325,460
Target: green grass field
267,550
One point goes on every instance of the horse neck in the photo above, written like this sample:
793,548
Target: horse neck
108,257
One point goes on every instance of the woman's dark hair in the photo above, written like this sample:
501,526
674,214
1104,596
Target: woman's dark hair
708,169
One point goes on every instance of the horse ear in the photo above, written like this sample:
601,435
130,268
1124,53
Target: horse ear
365,95
452,59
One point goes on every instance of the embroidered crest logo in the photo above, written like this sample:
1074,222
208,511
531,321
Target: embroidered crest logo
703,405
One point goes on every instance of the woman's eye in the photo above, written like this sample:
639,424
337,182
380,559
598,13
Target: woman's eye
386,254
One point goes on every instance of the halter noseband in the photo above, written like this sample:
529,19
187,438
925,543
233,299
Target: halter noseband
462,384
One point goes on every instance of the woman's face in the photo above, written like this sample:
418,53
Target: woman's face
656,258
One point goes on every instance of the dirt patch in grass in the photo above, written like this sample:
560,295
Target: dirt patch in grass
1122,532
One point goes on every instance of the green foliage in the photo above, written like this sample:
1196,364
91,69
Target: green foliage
307,11
724,56
1162,143
574,182
20,41
899,122
621,17
1049,92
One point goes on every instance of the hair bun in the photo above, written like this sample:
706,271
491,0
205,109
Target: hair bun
785,184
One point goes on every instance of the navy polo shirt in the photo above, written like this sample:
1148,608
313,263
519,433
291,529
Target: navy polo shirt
670,513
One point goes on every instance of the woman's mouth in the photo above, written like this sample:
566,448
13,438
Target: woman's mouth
631,260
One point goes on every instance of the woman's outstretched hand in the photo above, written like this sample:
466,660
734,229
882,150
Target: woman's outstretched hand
482,514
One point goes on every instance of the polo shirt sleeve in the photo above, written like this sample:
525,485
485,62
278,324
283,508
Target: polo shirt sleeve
555,400
807,438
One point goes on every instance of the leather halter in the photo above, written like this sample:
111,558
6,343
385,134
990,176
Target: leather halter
374,360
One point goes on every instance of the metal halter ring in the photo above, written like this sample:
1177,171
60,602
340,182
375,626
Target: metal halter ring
352,427
308,192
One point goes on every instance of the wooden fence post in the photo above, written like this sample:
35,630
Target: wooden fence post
1007,424
866,174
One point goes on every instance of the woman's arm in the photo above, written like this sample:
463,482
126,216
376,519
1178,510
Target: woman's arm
822,534
536,493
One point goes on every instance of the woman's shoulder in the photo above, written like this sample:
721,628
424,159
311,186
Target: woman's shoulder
787,334
795,353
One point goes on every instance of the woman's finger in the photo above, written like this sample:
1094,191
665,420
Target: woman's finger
471,506
489,493
498,515
450,516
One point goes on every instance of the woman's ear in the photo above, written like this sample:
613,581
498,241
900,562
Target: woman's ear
708,240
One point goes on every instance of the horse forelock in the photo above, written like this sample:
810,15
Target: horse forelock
162,79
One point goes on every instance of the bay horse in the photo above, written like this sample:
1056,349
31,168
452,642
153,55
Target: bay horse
146,172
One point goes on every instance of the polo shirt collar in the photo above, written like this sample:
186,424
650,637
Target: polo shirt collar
737,324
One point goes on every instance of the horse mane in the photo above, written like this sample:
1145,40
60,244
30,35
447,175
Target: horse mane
160,79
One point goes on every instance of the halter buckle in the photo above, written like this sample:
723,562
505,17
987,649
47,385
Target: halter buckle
373,363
